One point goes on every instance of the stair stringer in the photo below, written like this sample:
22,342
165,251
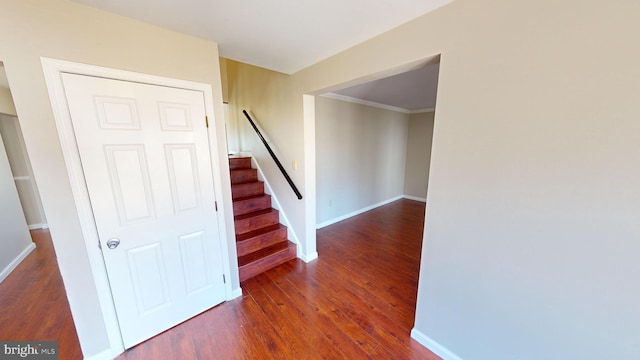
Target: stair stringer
292,236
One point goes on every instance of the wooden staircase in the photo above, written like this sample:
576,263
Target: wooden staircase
261,241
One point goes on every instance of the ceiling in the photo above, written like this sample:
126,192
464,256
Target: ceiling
283,35
411,91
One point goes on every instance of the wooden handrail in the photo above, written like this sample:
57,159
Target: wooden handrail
273,156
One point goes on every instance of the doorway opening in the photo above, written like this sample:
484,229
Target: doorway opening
372,149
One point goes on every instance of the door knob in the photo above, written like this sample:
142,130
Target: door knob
113,243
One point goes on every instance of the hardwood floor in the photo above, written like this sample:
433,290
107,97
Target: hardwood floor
33,304
356,301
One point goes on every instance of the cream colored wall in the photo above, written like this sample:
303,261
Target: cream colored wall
21,168
416,176
64,30
271,100
6,102
14,236
530,247
360,157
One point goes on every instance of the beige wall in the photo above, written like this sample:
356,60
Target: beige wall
530,247
360,157
14,234
416,176
6,102
21,168
271,100
64,30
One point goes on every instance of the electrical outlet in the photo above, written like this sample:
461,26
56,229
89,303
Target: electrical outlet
294,165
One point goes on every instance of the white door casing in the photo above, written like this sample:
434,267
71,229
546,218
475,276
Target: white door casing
145,157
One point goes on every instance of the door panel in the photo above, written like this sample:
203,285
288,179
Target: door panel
129,174
183,176
148,277
192,249
145,155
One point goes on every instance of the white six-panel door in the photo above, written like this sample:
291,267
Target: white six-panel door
145,156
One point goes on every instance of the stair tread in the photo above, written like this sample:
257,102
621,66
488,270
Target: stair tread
247,189
248,182
238,161
251,197
251,204
255,213
238,185
242,182
241,176
264,245
263,253
258,232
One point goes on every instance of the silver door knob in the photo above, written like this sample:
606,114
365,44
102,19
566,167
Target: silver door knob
113,243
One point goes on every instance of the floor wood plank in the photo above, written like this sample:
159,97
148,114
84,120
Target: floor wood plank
33,303
356,301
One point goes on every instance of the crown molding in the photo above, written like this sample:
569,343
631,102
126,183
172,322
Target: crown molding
422,111
364,102
350,99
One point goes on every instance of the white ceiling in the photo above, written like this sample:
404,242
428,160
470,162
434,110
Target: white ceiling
282,35
411,91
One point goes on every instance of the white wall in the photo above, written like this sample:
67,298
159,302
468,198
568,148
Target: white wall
271,100
6,101
14,234
419,138
31,29
22,173
360,156
531,238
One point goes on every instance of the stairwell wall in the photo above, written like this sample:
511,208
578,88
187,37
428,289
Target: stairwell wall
273,103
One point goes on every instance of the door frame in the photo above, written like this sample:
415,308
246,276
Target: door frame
53,69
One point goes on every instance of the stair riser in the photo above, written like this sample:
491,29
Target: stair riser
239,163
256,222
243,176
261,241
250,205
250,270
244,190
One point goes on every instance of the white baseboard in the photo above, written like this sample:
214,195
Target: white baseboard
38,226
236,293
415,198
104,355
433,345
357,212
13,264
307,258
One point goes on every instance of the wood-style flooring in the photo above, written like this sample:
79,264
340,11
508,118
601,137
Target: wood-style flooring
33,304
356,301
